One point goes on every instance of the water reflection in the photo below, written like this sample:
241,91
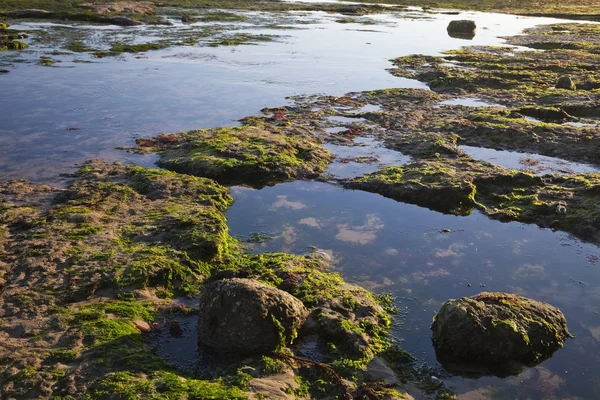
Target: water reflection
425,258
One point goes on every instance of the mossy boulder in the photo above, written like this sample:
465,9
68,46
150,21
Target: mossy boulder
497,329
463,29
241,155
247,316
441,185
566,82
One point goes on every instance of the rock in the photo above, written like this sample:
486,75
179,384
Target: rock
247,316
566,82
28,13
498,328
379,371
462,29
129,7
143,326
274,387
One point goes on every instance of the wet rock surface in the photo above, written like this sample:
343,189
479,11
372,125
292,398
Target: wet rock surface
246,316
498,328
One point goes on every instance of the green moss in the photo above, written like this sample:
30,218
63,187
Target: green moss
246,155
442,185
241,38
82,232
270,366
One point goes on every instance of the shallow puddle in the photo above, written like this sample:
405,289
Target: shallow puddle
582,124
367,155
405,250
534,163
469,102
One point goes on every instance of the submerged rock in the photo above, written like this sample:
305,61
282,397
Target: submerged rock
247,316
566,82
463,29
498,328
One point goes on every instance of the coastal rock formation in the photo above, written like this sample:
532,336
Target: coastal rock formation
498,328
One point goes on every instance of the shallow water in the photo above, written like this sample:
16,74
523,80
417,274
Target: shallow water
114,100
469,102
398,248
53,118
371,156
534,163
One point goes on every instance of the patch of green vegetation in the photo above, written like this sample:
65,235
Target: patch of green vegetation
46,62
241,38
270,366
12,45
443,185
242,155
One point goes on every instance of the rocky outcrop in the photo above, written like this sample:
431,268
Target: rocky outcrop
498,328
247,316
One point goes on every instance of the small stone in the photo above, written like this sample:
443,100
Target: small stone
566,82
462,29
143,326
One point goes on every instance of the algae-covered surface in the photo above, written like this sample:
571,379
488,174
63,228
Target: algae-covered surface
352,155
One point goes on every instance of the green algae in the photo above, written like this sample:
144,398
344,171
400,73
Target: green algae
240,39
441,185
241,155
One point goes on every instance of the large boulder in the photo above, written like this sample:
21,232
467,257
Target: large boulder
462,29
498,328
247,316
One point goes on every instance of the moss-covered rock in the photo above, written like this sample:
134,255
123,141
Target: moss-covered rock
498,328
241,155
248,317
442,185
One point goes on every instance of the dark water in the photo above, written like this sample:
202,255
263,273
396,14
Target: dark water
398,248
